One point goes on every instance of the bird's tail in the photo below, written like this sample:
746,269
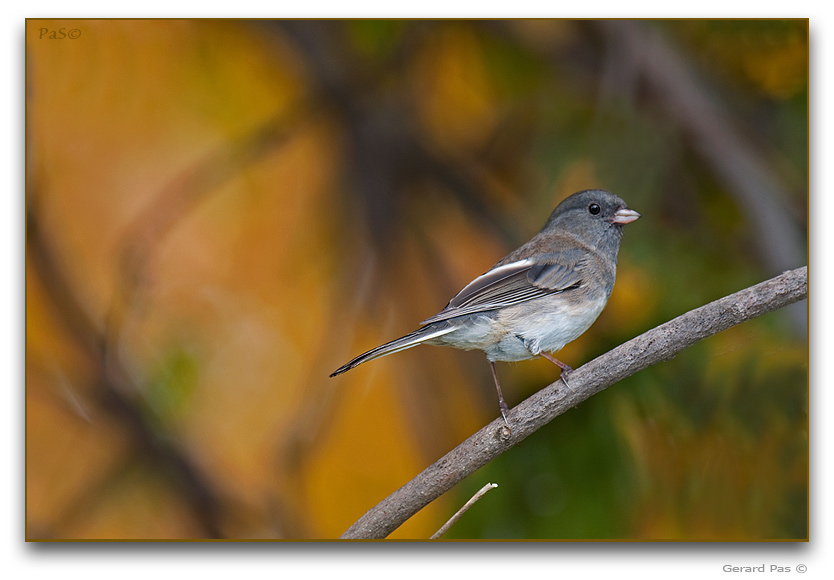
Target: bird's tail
419,336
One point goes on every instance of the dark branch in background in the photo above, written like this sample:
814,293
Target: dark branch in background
148,230
657,345
718,140
386,151
113,385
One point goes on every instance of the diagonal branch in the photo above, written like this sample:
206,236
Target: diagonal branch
657,345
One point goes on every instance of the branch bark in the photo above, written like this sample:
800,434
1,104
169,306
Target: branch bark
657,345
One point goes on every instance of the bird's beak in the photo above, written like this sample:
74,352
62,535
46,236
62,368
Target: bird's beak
624,216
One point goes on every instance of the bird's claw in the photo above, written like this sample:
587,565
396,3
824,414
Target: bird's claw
564,377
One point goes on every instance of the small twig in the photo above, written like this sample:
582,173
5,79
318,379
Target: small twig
478,495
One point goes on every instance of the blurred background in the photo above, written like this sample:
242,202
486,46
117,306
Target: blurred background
220,213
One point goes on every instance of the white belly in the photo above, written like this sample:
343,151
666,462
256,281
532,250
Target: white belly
525,330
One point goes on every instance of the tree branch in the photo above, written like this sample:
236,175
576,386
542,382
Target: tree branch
657,345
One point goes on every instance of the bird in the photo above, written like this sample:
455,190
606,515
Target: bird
536,299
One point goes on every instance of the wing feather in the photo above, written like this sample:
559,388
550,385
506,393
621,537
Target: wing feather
511,284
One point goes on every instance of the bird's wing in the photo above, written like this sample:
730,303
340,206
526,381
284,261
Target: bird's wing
513,283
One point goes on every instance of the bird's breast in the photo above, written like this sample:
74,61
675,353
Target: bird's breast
545,325
524,330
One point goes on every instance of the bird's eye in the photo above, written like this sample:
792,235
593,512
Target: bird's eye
593,208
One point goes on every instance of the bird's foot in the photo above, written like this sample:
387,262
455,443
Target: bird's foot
566,369
564,378
504,412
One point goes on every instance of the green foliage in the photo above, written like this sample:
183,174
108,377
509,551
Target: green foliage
171,384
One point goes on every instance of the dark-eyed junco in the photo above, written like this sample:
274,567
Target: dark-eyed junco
538,298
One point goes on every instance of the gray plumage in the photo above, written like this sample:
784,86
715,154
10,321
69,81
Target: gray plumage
538,298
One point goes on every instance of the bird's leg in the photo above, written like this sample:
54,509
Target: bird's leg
501,403
555,361
566,370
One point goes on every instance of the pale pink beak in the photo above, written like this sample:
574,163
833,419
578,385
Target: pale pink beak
624,216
